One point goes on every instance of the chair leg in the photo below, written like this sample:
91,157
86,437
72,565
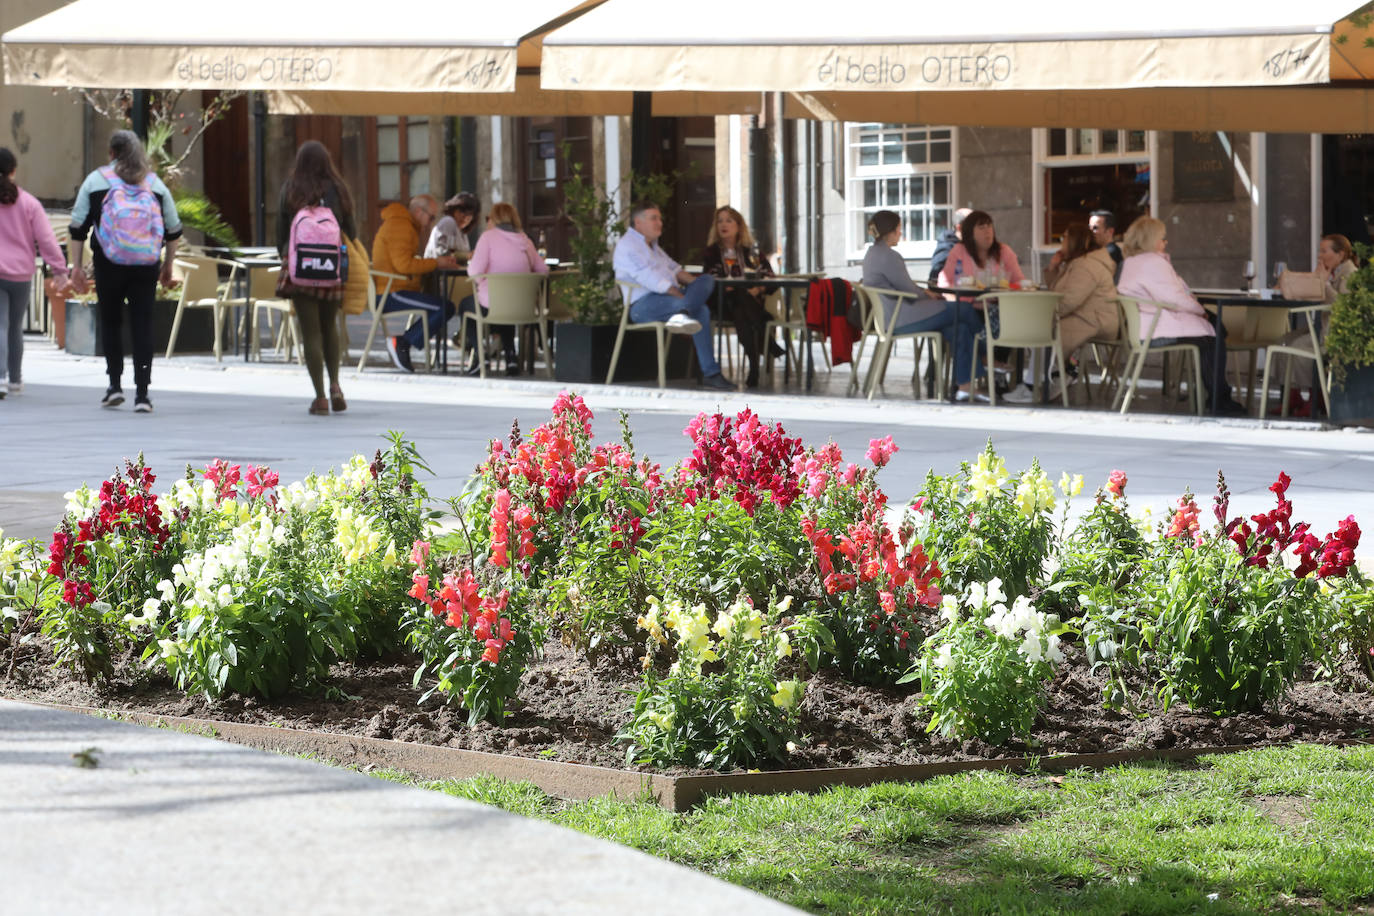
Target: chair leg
219,331
615,353
992,375
481,348
1063,373
1250,381
1287,383
1199,398
371,337
1135,379
176,327
661,333
1264,385
877,368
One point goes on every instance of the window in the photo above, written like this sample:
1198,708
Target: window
402,157
543,171
905,168
1087,170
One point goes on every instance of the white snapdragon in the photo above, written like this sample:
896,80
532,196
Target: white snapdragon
147,615
303,496
187,494
81,502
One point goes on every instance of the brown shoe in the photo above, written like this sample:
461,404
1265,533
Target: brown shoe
319,407
336,400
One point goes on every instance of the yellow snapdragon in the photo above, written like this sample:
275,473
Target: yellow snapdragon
988,476
788,695
1071,486
1034,492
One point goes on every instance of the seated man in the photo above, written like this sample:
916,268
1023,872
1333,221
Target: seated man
393,251
666,292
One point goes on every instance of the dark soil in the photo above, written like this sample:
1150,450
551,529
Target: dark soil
570,711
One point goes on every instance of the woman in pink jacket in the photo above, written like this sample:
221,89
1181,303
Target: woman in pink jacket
502,249
981,256
24,228
1147,274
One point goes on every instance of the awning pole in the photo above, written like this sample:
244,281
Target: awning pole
260,168
641,133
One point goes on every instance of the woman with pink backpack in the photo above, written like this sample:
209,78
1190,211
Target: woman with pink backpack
134,218
315,215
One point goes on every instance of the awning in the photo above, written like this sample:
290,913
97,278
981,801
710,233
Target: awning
394,46
896,46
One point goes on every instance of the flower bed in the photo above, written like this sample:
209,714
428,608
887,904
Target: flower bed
759,604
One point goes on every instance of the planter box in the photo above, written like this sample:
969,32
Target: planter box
1352,404
197,329
582,353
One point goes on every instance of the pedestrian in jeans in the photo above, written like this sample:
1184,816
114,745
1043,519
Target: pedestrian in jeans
24,228
141,221
314,181
665,292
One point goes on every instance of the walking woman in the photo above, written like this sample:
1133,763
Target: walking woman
134,218
315,181
24,228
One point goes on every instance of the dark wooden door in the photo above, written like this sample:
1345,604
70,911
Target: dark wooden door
227,151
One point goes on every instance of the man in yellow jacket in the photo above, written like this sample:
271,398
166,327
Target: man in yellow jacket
394,251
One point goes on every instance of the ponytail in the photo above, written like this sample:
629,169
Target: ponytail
9,191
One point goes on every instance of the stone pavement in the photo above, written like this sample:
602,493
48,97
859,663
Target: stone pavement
167,822
54,435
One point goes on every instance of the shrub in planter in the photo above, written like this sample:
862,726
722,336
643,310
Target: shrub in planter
1350,346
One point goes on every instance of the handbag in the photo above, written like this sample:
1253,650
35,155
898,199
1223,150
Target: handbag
1298,284
355,284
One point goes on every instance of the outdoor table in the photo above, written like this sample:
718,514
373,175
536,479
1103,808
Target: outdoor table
784,282
1221,299
245,284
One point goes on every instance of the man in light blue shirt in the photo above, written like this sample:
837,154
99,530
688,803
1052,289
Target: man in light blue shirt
665,291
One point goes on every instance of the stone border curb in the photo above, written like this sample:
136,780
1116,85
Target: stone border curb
578,781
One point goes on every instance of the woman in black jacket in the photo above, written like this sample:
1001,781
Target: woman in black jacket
313,181
731,252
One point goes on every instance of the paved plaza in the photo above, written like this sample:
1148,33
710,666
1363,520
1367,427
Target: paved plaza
54,435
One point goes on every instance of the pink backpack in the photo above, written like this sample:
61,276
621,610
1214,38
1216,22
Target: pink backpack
130,226
315,254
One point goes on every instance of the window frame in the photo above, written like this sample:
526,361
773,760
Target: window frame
855,221
1042,161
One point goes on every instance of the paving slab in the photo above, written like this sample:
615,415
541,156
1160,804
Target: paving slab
166,822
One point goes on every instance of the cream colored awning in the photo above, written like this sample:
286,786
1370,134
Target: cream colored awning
896,46
390,46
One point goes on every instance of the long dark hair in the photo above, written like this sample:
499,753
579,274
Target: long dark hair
9,191
130,161
972,221
1078,241
312,176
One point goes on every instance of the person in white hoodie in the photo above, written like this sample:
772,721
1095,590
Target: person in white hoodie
24,228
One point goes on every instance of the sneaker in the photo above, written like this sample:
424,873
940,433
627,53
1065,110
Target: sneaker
962,397
1021,394
683,324
142,404
716,380
16,387
113,397
400,353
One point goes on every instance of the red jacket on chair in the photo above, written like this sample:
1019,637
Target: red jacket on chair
829,311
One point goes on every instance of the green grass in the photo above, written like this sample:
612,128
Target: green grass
1268,830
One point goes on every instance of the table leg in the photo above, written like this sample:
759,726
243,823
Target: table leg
1218,364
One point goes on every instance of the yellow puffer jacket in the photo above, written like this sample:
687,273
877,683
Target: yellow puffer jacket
393,250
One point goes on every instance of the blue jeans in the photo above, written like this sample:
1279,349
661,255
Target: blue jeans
957,323
692,303
408,299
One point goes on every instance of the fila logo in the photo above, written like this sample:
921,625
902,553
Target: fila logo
318,263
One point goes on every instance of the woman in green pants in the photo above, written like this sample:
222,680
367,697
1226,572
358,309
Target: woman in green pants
313,180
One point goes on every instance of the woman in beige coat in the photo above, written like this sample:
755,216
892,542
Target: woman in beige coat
1087,307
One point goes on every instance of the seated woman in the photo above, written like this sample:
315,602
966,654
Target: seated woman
957,322
730,252
502,249
1087,307
980,254
1147,274
450,233
1336,264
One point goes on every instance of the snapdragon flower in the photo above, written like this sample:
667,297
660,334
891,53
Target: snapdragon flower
987,478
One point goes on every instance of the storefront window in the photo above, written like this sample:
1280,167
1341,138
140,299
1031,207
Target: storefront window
1087,170
905,168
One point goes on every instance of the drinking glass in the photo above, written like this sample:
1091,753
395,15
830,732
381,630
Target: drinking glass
1280,268
1248,272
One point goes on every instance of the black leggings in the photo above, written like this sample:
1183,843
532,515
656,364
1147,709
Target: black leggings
116,286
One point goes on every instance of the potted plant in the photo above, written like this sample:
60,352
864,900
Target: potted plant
197,333
583,346
1350,347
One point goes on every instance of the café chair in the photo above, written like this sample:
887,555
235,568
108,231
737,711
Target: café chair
789,314
262,295
200,288
1139,347
376,304
1024,319
660,329
1109,377
1298,349
1254,329
514,299
883,329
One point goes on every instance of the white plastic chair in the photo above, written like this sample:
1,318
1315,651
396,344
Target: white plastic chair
1024,319
660,332
884,329
512,299
200,289
1298,350
1138,349
375,304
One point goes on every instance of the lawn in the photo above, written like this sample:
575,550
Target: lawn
1271,830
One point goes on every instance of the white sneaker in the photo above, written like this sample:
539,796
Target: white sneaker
16,387
1021,394
683,324
962,397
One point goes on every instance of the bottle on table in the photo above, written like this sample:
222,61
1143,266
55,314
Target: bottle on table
542,246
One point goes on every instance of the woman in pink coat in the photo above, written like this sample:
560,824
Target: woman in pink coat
1147,274
502,249
981,256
